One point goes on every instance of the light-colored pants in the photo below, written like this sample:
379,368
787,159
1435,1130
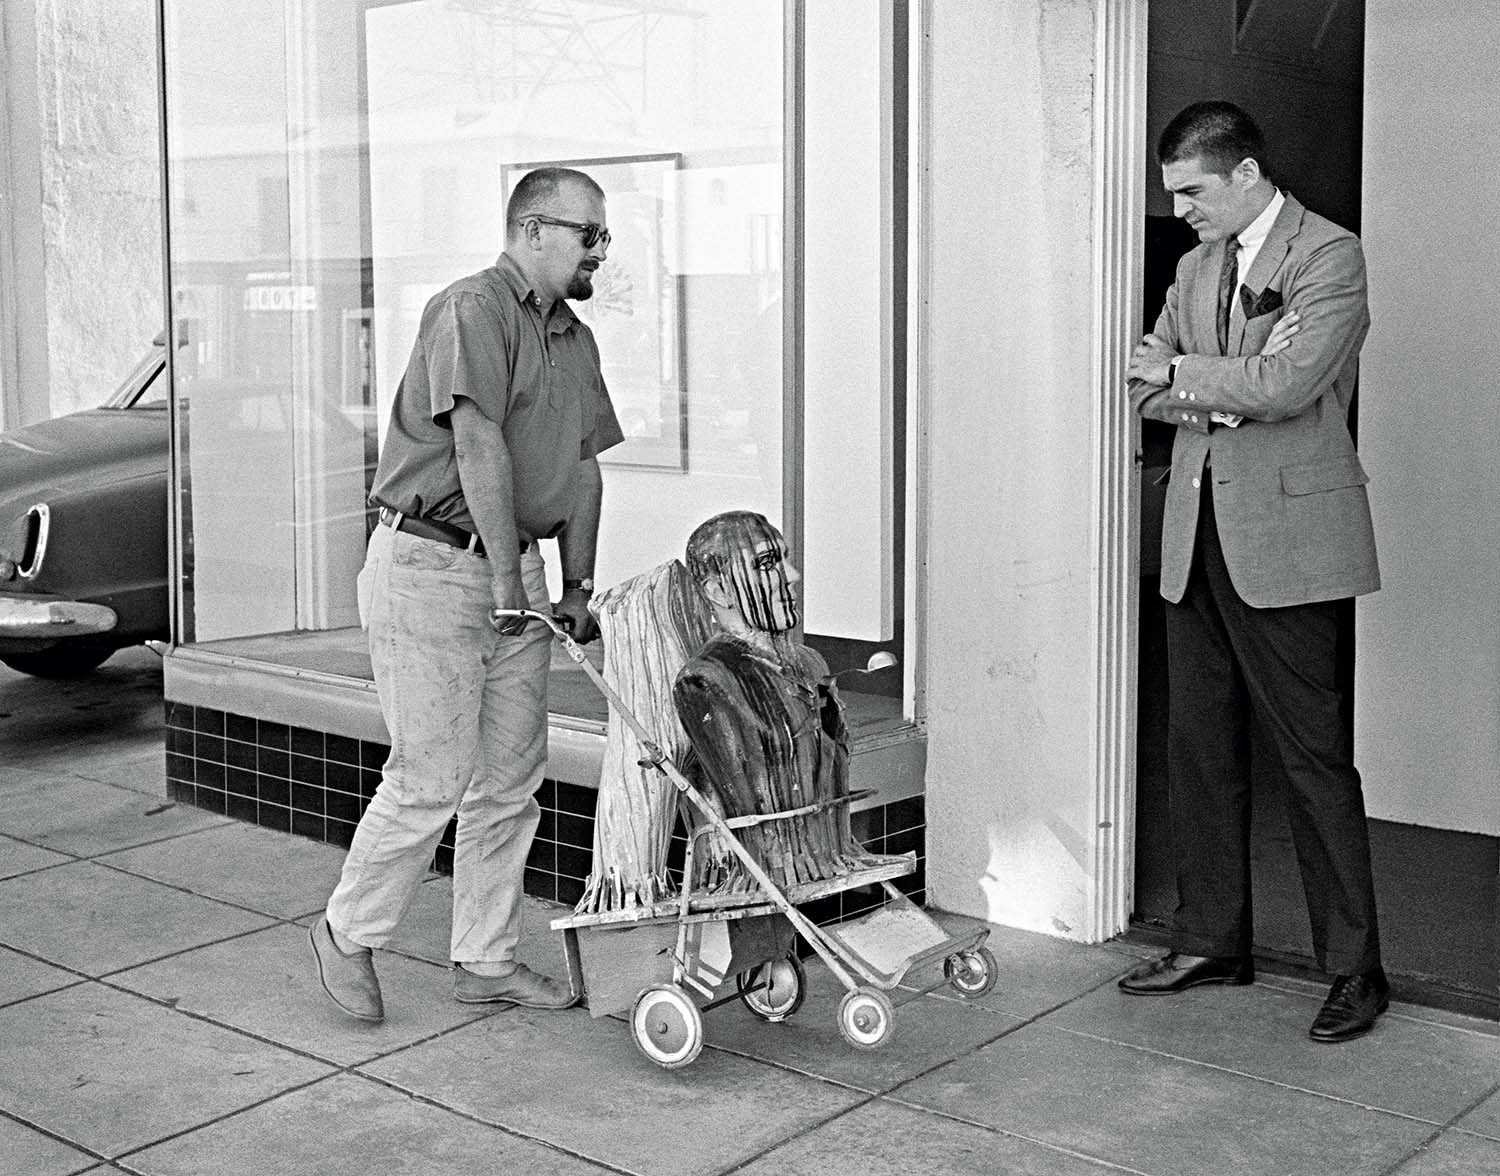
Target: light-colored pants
467,714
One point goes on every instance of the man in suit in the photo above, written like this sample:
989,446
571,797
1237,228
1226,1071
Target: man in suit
1267,527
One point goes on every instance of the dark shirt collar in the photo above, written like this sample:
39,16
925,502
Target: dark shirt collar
515,281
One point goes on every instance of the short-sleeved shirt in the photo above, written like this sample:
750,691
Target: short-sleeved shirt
484,338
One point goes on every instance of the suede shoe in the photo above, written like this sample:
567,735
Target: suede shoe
347,977
1351,1008
521,987
1174,972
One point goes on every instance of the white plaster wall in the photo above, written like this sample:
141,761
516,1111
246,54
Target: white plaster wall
101,192
1009,619
23,313
1427,695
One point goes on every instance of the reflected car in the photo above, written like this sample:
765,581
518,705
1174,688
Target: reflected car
83,530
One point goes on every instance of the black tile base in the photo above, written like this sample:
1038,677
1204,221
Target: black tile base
316,785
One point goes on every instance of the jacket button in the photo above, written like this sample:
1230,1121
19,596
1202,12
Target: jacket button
1195,483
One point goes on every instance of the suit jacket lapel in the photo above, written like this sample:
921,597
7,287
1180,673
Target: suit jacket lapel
1205,308
1273,251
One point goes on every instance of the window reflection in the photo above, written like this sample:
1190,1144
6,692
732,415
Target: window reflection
333,165
676,110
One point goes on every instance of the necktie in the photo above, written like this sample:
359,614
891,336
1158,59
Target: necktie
1228,279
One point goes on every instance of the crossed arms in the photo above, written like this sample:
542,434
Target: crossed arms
1295,364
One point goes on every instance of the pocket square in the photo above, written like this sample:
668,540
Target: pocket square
1267,302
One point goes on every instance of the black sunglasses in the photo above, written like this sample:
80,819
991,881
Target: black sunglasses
592,233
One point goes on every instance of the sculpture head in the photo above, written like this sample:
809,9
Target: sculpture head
740,563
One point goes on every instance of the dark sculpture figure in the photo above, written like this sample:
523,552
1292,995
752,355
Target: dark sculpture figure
763,713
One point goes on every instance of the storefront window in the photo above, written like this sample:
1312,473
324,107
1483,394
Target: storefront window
331,165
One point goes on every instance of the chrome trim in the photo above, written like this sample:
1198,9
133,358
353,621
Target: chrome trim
28,618
39,548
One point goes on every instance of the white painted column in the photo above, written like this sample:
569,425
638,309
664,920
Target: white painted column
80,243
1032,131
24,381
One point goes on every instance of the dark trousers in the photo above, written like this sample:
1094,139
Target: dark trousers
1230,664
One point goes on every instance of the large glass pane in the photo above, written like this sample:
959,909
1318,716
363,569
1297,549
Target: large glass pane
677,110
333,164
270,293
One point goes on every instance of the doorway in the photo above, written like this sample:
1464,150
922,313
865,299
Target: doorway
1298,69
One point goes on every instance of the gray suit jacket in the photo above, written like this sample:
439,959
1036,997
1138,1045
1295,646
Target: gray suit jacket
1289,490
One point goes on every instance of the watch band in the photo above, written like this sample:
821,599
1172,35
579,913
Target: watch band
584,585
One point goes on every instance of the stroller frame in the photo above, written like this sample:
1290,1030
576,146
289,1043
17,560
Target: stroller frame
868,955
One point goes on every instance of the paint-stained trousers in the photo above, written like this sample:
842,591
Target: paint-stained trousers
466,710
1230,664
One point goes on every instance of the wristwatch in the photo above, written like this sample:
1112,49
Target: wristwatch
584,585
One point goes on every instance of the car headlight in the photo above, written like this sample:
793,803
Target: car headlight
34,550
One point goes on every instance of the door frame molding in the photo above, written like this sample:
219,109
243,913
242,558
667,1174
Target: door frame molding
1114,502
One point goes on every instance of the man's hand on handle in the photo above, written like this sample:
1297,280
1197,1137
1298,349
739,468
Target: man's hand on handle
508,592
572,611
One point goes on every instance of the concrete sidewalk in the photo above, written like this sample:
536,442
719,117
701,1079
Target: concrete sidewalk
159,1013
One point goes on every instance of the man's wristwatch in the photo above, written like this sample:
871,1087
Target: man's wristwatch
584,585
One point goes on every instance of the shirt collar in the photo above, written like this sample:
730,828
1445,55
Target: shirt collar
1254,235
515,281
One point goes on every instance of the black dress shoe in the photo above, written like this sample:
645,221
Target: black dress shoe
1351,1008
1174,972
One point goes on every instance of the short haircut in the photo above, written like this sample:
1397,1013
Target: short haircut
1219,133
538,189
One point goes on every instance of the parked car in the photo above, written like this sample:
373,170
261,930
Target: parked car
83,530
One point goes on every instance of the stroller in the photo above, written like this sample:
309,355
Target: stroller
668,962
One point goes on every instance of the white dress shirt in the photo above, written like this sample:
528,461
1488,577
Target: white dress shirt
1251,238
1254,235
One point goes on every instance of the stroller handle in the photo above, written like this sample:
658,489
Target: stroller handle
561,629
561,626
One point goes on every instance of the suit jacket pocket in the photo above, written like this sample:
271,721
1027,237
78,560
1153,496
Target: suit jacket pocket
1267,302
1331,473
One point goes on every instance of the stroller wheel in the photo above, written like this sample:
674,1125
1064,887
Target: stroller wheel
773,991
866,1017
667,1026
972,973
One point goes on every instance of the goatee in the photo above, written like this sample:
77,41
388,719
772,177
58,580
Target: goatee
581,287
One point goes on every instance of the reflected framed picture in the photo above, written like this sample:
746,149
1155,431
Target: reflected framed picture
636,311
357,383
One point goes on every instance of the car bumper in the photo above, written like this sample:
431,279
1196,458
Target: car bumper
33,619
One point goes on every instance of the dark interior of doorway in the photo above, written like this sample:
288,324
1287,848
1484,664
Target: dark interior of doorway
1437,890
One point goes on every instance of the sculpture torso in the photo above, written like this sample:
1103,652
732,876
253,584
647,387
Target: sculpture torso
768,731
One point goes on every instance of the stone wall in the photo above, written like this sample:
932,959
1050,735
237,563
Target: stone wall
89,252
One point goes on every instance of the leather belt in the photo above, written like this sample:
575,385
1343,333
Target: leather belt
440,532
